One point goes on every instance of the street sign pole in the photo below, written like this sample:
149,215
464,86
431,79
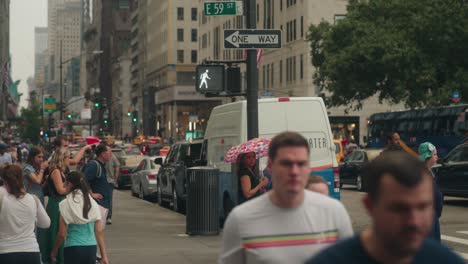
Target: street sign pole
252,78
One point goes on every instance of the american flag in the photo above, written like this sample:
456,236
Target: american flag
5,71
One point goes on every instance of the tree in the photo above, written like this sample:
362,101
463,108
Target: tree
30,125
411,51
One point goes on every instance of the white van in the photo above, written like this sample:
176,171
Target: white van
227,127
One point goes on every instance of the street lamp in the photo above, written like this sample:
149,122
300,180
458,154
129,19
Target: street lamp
94,52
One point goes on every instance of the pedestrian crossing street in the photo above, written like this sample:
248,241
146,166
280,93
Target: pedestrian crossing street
458,241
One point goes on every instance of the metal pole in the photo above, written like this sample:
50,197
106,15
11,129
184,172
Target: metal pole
91,123
252,78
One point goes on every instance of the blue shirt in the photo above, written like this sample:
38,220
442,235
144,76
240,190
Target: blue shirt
352,250
98,181
31,187
80,235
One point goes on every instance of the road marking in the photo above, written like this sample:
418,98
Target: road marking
455,239
463,232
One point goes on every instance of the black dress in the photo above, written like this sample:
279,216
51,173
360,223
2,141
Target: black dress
254,181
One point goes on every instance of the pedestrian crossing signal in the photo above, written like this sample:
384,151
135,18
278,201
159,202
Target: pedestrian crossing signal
210,78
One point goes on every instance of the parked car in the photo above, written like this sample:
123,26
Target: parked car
350,169
128,163
452,172
144,179
172,178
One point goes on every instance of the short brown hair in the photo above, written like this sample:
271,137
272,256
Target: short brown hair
313,179
286,139
13,176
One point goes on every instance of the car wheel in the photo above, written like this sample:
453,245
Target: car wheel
341,185
141,194
132,190
159,195
359,183
175,200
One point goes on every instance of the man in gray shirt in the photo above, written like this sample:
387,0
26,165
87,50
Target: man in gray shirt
112,168
287,224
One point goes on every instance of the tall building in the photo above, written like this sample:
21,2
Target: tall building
288,71
138,57
64,39
40,53
171,58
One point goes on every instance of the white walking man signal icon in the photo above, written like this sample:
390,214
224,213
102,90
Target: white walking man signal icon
203,78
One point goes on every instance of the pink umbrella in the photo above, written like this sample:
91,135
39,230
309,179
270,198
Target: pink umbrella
92,140
257,145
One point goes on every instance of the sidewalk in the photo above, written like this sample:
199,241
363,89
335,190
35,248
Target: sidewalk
142,232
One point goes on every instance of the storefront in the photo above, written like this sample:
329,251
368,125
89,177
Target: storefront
345,127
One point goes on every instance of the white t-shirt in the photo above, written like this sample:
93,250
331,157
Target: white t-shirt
6,158
260,232
18,218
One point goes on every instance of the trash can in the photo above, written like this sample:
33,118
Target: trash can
202,201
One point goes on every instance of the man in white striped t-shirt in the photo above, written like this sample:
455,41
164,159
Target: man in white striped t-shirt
287,224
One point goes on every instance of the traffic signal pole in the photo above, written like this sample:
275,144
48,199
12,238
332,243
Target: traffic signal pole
252,78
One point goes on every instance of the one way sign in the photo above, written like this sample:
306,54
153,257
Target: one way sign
252,39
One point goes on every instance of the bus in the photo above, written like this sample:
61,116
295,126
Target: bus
445,127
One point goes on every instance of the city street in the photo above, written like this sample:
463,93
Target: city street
143,232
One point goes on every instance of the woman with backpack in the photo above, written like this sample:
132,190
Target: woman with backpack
80,224
19,213
58,165
35,172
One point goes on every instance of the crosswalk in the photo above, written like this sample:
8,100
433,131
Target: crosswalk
458,242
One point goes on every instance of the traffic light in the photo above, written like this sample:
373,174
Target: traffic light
69,116
96,104
129,113
135,117
106,121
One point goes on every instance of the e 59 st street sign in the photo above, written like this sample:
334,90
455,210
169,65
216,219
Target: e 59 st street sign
252,39
235,8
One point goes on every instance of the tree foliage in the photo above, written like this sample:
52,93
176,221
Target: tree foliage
411,51
30,125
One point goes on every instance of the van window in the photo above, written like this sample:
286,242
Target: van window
337,148
171,156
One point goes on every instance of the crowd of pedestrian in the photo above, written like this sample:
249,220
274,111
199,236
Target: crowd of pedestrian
50,213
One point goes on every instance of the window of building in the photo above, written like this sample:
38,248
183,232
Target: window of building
281,5
194,35
294,68
204,41
194,57
302,67
180,13
180,56
194,14
281,70
216,42
302,26
180,34
287,69
258,13
294,30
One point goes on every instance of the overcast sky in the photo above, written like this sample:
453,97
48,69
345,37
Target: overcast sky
25,15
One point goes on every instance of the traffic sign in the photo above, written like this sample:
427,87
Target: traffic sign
210,78
86,113
50,105
224,8
252,39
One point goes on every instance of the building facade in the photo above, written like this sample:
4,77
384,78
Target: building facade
288,71
172,56
4,56
40,54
